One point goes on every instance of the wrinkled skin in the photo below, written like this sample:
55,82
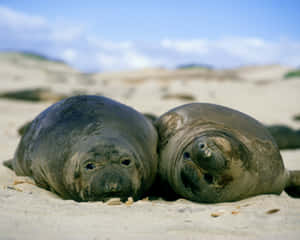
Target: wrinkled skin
209,153
89,148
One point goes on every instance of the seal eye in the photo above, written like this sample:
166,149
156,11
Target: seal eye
89,166
186,155
208,178
202,145
126,162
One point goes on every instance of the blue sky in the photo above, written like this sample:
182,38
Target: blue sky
116,35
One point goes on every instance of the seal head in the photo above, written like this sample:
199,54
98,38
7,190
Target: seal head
206,167
109,168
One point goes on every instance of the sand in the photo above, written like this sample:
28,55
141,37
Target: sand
29,212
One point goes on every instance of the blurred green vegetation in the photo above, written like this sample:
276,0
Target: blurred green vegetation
194,66
34,56
293,74
38,57
28,55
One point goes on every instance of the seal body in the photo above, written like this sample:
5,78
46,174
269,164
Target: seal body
210,153
89,148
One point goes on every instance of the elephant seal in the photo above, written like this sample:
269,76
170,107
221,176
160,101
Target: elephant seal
210,153
89,148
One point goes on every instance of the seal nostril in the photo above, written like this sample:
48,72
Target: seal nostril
126,162
208,178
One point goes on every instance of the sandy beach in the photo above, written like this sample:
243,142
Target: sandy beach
29,212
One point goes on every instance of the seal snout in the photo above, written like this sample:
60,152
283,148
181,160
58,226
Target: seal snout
207,155
112,187
202,149
111,183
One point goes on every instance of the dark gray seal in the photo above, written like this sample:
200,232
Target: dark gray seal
89,148
210,153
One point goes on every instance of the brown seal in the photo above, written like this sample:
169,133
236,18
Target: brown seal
210,153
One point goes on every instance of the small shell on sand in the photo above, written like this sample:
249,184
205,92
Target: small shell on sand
21,181
235,212
14,188
114,201
272,211
129,201
217,214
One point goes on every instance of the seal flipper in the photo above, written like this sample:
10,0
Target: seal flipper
8,164
293,187
23,129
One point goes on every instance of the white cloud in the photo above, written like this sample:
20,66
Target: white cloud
247,49
17,20
69,55
199,46
103,44
129,59
66,35
137,60
237,51
88,52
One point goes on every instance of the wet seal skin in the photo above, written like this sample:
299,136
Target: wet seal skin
89,148
210,153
